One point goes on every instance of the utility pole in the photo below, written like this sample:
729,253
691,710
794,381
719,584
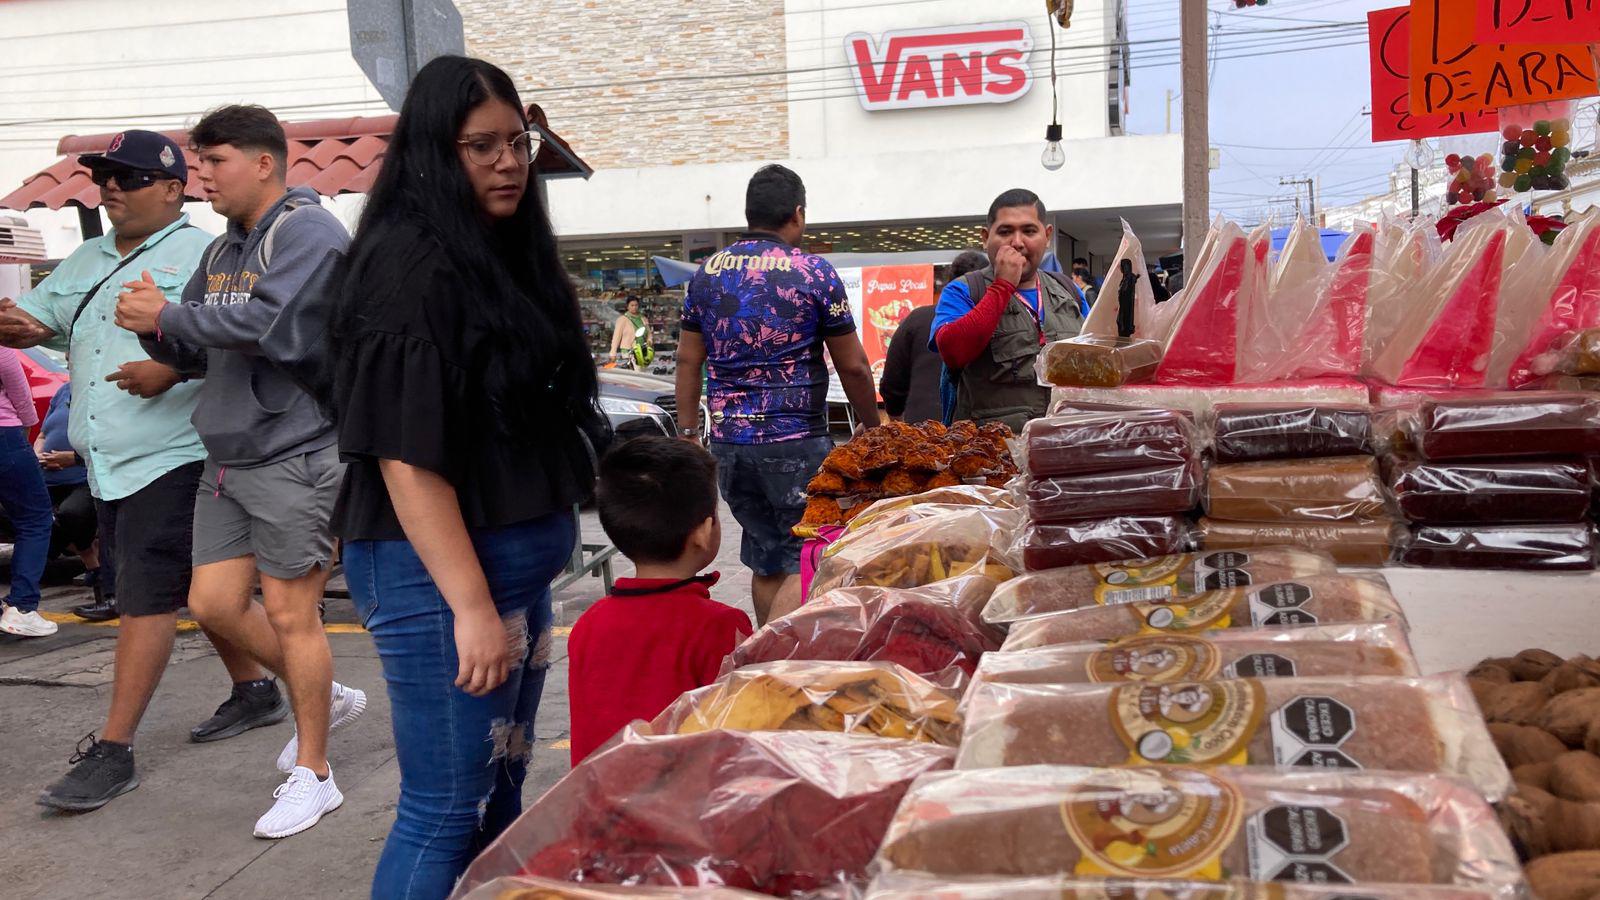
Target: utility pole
1311,190
1169,110
1196,129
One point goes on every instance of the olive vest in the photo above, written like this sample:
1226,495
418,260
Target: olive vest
1001,385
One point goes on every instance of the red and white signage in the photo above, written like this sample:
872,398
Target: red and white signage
949,66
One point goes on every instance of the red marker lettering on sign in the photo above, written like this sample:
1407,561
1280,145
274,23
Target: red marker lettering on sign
941,66
1452,72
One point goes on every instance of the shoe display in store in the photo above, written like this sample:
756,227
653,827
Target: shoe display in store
245,708
25,624
101,771
347,706
302,801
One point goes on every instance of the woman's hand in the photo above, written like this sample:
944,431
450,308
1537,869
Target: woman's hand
482,648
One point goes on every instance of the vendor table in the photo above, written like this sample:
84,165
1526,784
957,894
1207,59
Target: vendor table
1460,616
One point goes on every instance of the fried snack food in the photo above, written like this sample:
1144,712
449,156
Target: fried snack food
1311,652
827,484
822,511
896,459
1398,724
922,550
776,812
1126,581
1098,361
1341,488
1178,822
1085,541
1252,431
878,698
1311,600
1350,543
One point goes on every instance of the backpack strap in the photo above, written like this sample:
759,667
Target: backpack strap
264,249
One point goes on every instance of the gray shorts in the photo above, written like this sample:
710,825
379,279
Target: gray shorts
280,513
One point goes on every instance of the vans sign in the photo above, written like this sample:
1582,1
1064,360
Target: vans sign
941,66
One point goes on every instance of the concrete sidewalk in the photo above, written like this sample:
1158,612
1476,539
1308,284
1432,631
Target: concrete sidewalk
185,832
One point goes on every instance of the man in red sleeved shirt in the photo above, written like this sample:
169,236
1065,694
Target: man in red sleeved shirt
660,633
990,325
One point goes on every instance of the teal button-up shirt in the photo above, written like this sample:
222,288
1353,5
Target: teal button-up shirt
126,441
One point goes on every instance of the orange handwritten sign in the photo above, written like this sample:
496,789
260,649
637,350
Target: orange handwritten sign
1452,72
888,294
1389,41
1538,21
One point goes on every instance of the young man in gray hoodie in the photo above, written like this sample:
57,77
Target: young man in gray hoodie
272,471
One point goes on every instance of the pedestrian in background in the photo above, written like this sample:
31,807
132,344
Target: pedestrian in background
912,384
631,336
67,480
466,399
265,498
132,416
756,319
26,502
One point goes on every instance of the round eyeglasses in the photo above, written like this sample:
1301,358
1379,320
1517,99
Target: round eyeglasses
486,149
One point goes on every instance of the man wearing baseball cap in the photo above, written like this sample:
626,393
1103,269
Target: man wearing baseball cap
130,423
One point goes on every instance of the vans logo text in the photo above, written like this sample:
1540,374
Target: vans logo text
941,66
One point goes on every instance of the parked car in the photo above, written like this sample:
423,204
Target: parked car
47,372
639,404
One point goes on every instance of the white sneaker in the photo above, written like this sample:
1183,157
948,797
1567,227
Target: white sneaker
347,706
26,624
302,802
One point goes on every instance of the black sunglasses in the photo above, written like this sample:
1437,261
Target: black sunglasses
127,179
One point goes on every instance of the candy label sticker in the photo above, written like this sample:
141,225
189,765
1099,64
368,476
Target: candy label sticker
1188,722
1163,825
1155,659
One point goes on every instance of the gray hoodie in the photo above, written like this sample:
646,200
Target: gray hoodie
250,412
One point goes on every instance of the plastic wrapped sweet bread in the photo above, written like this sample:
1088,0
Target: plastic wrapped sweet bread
1176,822
878,698
1530,423
524,887
1427,725
1339,488
1107,441
933,631
1157,490
1349,543
922,886
922,549
1556,548
1160,578
771,811
1097,361
1252,431
1085,541
1310,652
1497,491
1311,600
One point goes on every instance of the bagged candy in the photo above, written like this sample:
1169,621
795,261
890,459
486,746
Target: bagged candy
1126,304
921,886
1516,547
1351,543
1272,331
1107,441
1505,425
1556,298
1537,146
525,887
1202,347
1406,252
775,812
1095,361
1142,580
1157,490
1254,431
1332,337
1495,491
1339,488
1084,541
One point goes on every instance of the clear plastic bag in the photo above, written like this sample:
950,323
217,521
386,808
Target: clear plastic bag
1579,354
919,886
1140,580
934,631
1555,548
1353,827
1158,490
775,812
955,495
1309,652
1537,146
1406,251
1202,345
1339,488
1349,543
1491,491
1554,298
1272,331
1253,431
1103,319
529,888
1525,423
1095,361
921,549
1332,337
1107,441
1086,541
878,698
1430,725
1309,600
1202,401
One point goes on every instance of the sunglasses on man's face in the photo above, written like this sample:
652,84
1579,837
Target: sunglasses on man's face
126,179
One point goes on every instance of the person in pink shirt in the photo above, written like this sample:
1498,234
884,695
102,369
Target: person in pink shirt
26,501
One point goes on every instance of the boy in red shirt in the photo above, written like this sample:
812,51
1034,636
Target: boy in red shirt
659,633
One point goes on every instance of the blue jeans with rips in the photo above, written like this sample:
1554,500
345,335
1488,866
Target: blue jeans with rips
462,758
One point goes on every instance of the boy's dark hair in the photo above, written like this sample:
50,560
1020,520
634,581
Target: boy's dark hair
246,127
772,197
1016,197
1080,262
652,494
967,261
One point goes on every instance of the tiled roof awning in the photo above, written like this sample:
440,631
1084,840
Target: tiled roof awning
331,156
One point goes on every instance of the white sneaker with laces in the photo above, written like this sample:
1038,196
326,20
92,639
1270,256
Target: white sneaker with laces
302,802
346,706
26,624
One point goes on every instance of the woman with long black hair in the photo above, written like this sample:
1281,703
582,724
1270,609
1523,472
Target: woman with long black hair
465,396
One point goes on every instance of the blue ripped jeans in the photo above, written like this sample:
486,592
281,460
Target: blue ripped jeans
462,758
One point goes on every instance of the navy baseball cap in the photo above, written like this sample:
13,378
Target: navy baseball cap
143,150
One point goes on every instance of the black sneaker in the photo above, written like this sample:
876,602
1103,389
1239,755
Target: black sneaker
103,609
245,708
100,772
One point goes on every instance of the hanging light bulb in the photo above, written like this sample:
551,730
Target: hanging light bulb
1054,157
